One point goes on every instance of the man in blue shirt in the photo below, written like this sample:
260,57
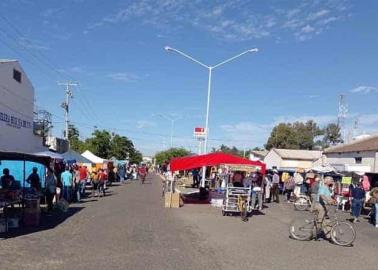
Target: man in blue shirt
66,178
324,199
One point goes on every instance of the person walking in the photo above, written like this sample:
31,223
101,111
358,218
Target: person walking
50,183
358,197
257,192
102,177
314,188
298,178
374,201
289,187
67,184
95,182
275,186
83,171
268,187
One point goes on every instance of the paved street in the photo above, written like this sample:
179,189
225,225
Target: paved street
131,230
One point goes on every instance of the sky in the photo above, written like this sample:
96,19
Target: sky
310,52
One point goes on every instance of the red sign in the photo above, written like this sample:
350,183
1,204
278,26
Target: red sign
199,130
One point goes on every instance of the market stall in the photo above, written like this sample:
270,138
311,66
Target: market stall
17,191
213,159
235,197
72,157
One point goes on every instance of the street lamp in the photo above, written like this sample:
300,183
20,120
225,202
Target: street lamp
210,69
173,120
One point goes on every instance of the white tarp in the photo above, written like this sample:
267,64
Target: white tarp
92,157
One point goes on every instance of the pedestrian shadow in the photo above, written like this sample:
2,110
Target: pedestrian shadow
47,222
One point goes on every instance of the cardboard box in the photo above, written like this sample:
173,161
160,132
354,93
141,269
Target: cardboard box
172,200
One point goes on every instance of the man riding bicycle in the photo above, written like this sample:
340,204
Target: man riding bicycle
324,200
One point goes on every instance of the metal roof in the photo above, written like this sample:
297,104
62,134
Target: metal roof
367,144
298,154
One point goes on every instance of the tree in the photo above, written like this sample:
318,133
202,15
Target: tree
332,135
135,157
167,155
100,143
120,146
282,136
297,135
73,137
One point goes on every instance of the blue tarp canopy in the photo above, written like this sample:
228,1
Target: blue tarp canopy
72,157
20,165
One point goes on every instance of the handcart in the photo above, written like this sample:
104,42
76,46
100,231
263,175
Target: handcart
237,200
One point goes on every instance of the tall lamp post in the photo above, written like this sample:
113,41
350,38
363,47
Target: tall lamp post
172,120
210,69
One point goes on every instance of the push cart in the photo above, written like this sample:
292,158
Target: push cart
237,200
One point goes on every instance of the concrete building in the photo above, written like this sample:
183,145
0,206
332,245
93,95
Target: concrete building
258,154
360,155
17,110
290,160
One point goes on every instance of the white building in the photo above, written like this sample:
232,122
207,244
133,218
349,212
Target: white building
17,110
360,155
290,160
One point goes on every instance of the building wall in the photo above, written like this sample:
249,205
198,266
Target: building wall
272,159
291,163
369,159
16,111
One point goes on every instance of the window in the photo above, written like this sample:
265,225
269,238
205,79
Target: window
358,160
17,75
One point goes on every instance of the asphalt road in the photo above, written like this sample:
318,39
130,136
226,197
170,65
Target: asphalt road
130,229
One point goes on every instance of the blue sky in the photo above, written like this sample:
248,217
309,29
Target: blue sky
310,53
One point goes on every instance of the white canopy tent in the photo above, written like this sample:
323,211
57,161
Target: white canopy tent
93,158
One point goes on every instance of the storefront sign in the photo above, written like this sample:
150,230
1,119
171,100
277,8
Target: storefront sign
14,121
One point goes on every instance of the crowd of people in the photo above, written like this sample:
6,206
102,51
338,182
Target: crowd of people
70,182
321,191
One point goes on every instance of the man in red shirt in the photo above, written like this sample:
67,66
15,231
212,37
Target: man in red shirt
142,173
83,172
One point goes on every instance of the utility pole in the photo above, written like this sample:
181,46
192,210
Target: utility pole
66,103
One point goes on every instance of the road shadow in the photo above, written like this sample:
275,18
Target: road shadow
47,222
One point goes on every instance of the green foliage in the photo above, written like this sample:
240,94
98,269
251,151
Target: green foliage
104,144
332,135
100,143
73,137
167,155
297,135
229,150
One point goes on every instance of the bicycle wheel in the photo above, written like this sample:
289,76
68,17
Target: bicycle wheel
343,234
301,204
244,212
302,230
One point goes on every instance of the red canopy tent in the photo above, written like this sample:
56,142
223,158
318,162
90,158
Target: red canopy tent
212,159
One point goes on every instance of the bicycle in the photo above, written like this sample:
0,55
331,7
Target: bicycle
302,202
342,233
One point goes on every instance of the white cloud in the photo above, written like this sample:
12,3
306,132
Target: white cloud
145,124
302,21
364,89
123,76
307,29
33,44
318,14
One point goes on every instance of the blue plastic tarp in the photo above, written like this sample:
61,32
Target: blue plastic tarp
16,169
